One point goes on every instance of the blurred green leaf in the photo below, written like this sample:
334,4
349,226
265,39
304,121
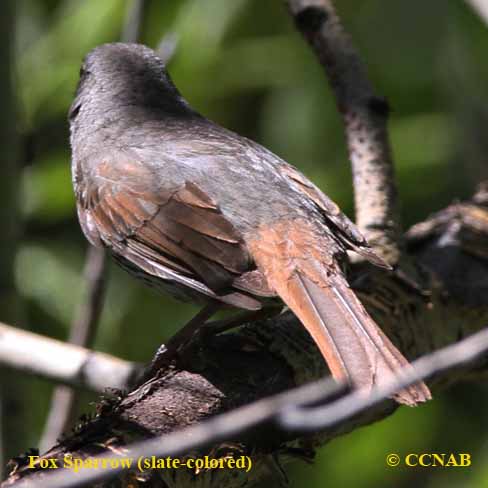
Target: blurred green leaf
47,190
48,278
358,459
48,67
422,140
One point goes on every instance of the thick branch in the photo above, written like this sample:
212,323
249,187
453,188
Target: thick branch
269,357
365,117
292,411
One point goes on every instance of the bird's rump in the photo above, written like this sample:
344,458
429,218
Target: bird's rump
299,263
345,230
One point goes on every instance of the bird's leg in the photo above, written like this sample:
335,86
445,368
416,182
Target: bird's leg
211,329
185,334
167,352
218,326
199,329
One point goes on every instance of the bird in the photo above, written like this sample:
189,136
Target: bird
211,217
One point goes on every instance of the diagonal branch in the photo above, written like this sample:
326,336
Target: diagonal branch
365,118
266,358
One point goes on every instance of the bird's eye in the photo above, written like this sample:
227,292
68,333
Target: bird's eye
74,110
84,72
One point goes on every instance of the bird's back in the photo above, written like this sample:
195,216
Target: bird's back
251,184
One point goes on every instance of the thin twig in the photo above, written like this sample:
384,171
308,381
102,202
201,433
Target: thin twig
285,411
83,329
61,362
480,7
167,47
365,117
84,325
133,21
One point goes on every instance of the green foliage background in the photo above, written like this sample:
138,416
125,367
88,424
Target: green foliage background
241,63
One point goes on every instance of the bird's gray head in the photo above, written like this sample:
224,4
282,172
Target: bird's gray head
123,82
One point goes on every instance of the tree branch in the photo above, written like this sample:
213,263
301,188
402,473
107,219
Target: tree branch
288,412
365,119
61,362
262,359
266,358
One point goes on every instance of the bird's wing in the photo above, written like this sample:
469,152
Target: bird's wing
345,229
176,233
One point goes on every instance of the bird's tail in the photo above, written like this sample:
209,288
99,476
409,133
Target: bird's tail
354,347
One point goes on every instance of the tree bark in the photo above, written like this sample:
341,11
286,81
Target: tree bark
365,117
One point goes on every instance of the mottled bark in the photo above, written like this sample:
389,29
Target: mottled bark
365,116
